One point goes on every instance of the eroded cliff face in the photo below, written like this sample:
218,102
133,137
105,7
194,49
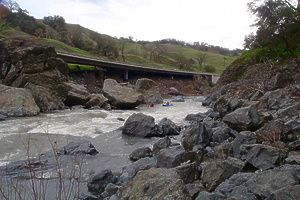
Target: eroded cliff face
34,66
252,81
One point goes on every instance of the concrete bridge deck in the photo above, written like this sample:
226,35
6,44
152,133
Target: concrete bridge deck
129,67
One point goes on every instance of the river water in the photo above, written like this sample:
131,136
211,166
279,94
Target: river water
25,137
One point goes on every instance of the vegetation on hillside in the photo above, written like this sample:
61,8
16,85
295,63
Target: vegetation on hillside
278,31
70,38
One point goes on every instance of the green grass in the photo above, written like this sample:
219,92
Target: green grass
133,50
76,67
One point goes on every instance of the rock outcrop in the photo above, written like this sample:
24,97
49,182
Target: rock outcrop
36,67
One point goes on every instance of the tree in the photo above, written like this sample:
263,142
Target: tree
201,58
11,5
278,22
56,22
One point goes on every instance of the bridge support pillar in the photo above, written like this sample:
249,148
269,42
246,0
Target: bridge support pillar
126,76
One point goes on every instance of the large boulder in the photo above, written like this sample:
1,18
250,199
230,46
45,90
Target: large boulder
271,182
97,100
17,102
77,95
215,172
139,125
121,96
150,90
244,119
35,66
98,182
194,135
155,183
263,156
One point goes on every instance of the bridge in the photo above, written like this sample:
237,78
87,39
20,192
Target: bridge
127,69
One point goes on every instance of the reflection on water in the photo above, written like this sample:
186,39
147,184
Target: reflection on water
30,136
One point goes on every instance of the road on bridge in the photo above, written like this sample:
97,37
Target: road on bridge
126,66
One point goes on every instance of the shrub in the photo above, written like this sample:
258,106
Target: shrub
209,68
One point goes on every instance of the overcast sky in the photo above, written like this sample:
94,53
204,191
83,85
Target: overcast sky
217,22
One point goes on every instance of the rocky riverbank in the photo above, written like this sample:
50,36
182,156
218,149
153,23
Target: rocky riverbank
245,147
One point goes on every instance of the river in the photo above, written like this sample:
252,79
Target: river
25,137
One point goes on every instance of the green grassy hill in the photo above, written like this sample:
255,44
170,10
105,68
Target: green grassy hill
78,40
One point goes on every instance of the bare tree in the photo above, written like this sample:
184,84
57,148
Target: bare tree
201,58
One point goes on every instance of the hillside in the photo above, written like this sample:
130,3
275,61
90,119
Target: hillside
75,39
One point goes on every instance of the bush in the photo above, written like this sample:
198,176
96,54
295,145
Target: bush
209,68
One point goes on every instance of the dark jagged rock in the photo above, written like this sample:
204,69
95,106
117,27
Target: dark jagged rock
235,187
286,193
98,182
195,134
168,127
263,156
161,144
140,153
139,125
129,172
215,172
244,119
176,155
265,183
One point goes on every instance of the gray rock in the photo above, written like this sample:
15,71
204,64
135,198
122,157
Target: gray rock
263,156
168,127
150,90
96,100
276,99
215,172
245,137
175,156
79,147
199,99
2,117
286,193
195,134
178,99
265,183
244,119
235,187
293,158
139,125
188,172
195,117
209,196
98,182
121,96
17,102
290,111
140,153
161,144
155,183
170,157
77,95
130,171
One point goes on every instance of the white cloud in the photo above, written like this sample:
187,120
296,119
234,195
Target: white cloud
217,22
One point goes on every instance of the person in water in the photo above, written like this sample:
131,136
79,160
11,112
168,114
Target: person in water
151,105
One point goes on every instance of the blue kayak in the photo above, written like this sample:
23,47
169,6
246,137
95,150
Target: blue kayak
170,104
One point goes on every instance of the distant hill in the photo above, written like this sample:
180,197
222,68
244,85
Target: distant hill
75,39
